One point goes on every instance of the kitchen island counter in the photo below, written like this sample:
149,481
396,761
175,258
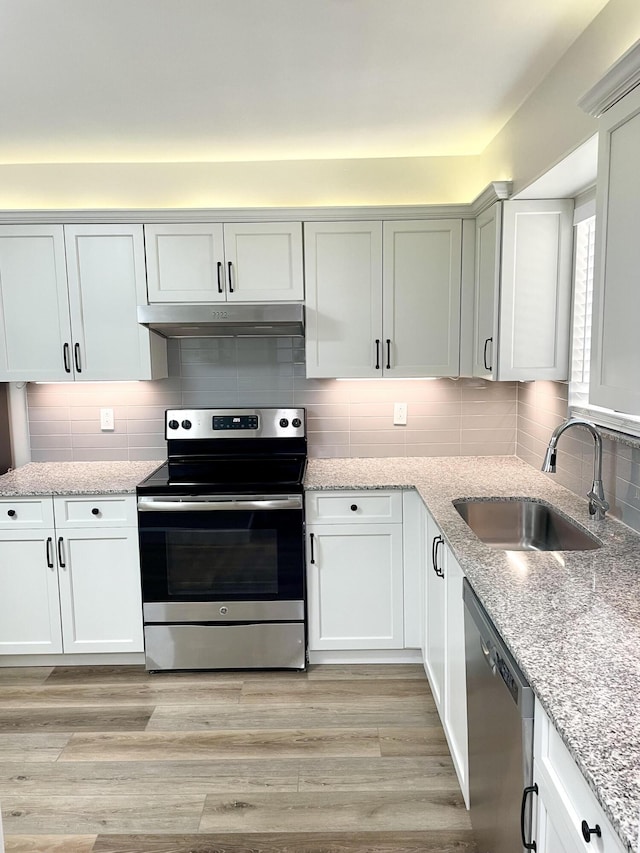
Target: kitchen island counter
75,478
570,618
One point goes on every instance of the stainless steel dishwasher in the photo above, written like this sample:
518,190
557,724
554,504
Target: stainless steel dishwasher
500,718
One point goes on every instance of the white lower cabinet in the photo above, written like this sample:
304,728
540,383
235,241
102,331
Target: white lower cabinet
354,570
455,676
69,576
434,645
444,647
566,811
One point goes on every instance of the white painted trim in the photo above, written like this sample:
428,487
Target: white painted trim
367,656
619,80
19,424
495,191
98,659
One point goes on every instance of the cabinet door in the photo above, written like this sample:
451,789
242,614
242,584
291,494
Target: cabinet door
106,284
434,660
487,284
421,287
343,274
455,679
185,263
29,603
355,596
615,354
35,330
535,290
263,262
565,799
100,598
548,836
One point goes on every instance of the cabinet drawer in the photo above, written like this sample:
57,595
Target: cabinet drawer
95,511
568,798
354,507
25,513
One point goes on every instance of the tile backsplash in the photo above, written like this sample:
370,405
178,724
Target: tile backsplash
541,407
446,417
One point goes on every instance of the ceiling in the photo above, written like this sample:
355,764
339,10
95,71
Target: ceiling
251,80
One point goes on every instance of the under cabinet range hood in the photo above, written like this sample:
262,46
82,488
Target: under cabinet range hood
221,320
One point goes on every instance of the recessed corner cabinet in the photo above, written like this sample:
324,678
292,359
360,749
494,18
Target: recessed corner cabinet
69,295
522,310
225,262
383,298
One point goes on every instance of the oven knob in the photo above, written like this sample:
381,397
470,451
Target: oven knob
284,422
296,422
186,424
173,425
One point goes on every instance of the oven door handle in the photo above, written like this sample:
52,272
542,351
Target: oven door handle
217,504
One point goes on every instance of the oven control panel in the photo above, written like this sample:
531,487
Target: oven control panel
234,422
229,423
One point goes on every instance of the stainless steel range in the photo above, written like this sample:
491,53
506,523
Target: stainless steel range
221,528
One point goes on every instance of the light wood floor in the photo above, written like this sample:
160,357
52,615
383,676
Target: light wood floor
341,759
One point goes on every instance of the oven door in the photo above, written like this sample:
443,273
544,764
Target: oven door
221,548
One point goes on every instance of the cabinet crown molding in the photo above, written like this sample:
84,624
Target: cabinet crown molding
618,81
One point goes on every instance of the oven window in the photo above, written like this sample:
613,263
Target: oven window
222,555
224,563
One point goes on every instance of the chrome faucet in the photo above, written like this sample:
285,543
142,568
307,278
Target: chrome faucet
597,503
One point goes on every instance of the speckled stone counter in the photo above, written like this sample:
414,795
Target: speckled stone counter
75,478
571,619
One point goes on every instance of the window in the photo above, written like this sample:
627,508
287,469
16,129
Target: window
581,332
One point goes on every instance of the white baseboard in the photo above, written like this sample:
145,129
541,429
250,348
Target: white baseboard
367,656
101,659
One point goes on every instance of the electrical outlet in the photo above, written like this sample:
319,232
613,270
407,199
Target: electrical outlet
400,414
106,419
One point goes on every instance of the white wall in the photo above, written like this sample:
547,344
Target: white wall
300,183
548,126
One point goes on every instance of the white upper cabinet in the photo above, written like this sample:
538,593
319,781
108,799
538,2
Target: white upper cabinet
343,271
106,275
615,347
522,305
264,262
34,310
185,263
212,262
68,307
383,299
421,297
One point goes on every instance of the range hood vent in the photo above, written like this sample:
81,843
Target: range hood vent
223,320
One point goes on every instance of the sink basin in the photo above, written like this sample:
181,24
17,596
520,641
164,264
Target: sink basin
523,524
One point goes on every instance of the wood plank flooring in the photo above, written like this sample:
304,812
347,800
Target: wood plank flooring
340,759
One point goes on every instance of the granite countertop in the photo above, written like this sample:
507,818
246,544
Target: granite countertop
75,478
571,619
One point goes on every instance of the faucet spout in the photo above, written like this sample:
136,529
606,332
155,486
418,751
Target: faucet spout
598,506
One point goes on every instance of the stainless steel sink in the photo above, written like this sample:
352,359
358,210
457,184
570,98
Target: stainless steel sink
524,524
